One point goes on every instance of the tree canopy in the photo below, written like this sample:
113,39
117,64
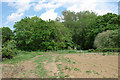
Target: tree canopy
79,30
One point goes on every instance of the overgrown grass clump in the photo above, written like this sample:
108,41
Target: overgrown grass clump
21,57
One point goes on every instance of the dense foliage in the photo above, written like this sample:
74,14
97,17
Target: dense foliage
9,49
82,30
106,39
7,34
36,34
108,21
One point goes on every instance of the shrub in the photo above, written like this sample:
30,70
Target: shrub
108,50
91,50
69,48
106,41
50,48
78,47
9,49
72,51
103,54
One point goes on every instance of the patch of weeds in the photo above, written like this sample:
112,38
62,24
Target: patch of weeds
59,64
69,60
21,57
96,72
109,53
88,72
40,70
57,59
80,71
23,74
103,54
76,69
114,69
61,73
55,74
31,71
65,60
66,75
67,68
74,62
40,65
44,58
72,51
62,76
94,65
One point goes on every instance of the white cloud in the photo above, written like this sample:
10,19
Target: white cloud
77,5
31,16
102,12
51,5
50,14
43,4
14,17
17,0
21,5
100,7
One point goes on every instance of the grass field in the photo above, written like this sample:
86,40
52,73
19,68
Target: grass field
62,64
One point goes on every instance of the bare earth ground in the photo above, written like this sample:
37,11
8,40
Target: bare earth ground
64,65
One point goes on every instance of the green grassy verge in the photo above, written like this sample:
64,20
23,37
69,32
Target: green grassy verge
22,57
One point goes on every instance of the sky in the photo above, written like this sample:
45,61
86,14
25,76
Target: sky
14,10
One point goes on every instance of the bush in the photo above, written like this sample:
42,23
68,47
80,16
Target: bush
50,48
78,47
72,51
108,50
9,49
106,40
91,50
69,48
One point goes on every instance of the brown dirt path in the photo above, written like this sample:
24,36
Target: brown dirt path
51,67
21,71
90,66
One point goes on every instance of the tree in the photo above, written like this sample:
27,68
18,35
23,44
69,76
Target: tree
78,23
37,34
108,21
63,36
106,39
7,34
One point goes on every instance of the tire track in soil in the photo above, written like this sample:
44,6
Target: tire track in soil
27,67
22,67
52,67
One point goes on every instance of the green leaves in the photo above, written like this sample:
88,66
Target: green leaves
76,30
7,34
9,48
37,34
106,39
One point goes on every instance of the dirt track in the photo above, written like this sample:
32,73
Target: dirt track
65,65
